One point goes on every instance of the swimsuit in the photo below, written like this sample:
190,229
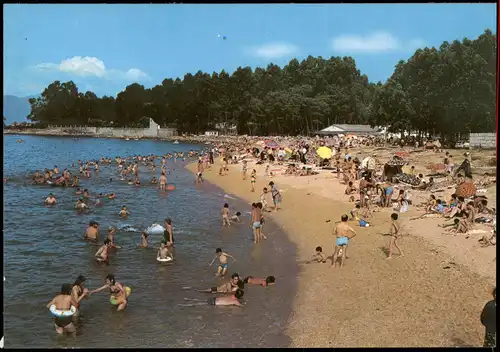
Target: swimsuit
256,225
388,191
342,241
223,266
245,280
63,322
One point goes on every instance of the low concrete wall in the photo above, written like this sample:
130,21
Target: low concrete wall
154,131
483,140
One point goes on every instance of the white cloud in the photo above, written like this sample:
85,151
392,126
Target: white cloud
273,50
92,66
377,42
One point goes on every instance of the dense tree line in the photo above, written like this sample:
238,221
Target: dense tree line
448,91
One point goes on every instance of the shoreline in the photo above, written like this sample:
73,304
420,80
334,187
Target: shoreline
425,299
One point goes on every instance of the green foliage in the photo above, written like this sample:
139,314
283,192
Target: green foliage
446,91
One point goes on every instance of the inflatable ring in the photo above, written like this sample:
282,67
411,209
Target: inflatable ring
113,300
62,313
166,260
155,229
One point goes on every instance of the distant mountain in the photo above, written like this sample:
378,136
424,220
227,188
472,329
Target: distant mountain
15,109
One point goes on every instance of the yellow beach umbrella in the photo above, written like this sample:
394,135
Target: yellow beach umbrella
324,152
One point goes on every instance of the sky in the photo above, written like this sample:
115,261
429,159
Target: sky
104,47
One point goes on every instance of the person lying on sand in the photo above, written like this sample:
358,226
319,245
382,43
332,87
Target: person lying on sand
230,300
264,282
318,256
234,284
236,217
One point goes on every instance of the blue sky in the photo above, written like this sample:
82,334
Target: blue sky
104,48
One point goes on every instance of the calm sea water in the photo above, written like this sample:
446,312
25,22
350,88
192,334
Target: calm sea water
43,248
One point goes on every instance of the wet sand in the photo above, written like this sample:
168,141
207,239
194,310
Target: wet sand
425,299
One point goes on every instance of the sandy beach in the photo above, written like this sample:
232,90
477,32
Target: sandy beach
432,296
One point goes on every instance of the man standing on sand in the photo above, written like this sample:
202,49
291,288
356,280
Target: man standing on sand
489,320
343,233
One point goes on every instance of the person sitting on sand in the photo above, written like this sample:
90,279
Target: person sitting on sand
63,301
343,233
101,255
229,300
431,204
318,256
223,264
50,200
234,284
395,232
350,188
355,212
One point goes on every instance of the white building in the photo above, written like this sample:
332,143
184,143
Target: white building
211,133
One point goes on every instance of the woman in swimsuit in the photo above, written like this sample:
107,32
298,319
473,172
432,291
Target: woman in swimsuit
102,254
117,290
63,302
78,292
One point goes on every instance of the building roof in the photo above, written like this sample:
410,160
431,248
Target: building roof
346,128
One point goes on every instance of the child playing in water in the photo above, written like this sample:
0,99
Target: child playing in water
225,215
223,265
144,240
395,233
236,217
253,176
101,255
318,256
163,252
124,212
